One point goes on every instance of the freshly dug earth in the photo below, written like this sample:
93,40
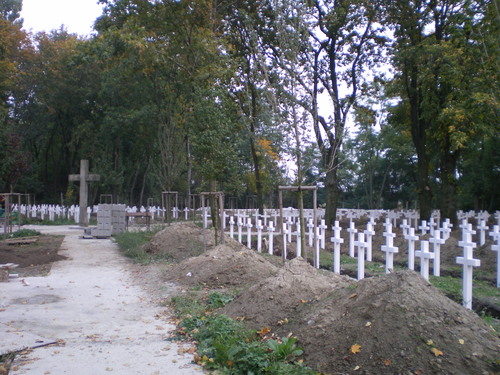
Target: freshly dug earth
402,324
180,241
271,302
34,259
223,266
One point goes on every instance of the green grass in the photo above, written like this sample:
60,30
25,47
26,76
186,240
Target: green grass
227,346
24,233
131,244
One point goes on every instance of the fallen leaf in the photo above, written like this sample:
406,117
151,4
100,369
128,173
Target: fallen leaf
356,348
430,342
353,295
387,362
461,342
436,352
264,331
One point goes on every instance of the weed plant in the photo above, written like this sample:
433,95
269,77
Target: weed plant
227,346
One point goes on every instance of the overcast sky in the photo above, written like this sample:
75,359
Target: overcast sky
77,16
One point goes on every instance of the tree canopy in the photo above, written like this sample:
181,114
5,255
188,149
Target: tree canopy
382,104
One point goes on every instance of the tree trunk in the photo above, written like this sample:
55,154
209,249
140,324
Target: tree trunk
332,196
448,207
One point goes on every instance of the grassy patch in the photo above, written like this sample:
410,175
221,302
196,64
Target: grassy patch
24,233
227,346
131,244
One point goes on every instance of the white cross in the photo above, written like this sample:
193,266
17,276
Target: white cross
322,228
482,228
265,217
310,233
352,231
468,263
289,236
336,240
389,247
404,226
432,226
436,242
231,226
425,256
411,238
446,229
423,228
496,247
298,251
369,232
240,229
249,232
361,245
464,224
259,228
270,229
285,233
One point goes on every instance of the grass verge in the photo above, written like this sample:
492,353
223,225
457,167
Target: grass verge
227,346
131,244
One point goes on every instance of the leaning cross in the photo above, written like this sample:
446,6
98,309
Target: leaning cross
84,177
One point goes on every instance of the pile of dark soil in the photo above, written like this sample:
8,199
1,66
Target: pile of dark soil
272,301
34,259
392,324
229,265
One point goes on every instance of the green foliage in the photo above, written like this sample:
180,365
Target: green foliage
285,349
217,300
227,346
131,244
25,233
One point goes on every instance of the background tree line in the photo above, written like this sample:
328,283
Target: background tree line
381,103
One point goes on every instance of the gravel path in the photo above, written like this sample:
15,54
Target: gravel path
101,320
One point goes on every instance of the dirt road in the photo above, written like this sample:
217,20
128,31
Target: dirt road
100,320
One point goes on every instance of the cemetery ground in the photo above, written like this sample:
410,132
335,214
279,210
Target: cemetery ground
384,324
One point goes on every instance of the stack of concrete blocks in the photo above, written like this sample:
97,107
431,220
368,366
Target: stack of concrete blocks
111,220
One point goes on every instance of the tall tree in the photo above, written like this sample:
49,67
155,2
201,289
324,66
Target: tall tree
433,53
338,42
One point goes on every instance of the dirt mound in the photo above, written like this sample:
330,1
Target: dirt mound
274,300
180,241
402,324
228,265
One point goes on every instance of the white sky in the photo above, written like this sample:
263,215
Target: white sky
78,16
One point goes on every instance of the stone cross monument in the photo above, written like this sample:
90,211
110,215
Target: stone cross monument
84,177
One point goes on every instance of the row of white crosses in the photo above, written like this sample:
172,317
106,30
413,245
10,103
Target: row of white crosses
241,225
439,237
